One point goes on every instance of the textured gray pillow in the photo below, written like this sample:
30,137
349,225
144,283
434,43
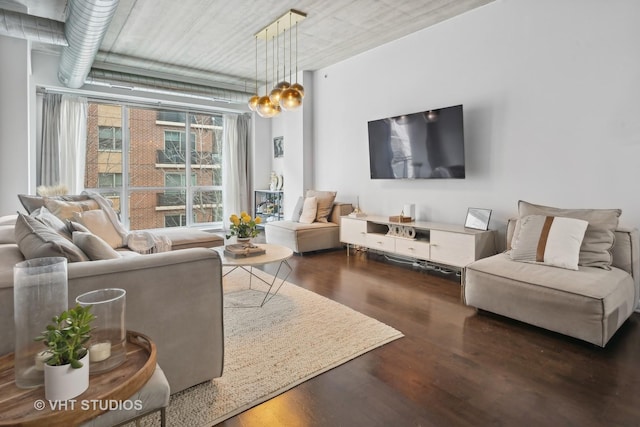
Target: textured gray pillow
50,220
94,246
36,240
599,237
325,203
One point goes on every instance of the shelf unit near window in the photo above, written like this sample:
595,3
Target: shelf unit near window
268,206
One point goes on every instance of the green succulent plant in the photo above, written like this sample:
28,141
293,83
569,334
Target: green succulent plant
66,336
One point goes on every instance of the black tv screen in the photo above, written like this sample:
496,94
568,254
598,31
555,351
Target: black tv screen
428,144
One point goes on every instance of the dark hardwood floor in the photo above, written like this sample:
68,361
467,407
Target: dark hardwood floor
454,367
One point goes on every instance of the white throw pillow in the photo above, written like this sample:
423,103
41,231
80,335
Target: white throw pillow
99,224
549,240
94,246
309,209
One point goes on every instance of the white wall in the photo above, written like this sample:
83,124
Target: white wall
295,166
16,105
550,92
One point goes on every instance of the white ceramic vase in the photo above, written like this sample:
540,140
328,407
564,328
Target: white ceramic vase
64,382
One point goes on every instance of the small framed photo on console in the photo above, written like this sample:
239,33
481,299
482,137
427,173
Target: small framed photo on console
478,218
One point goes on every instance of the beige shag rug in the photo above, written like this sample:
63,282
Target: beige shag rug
296,336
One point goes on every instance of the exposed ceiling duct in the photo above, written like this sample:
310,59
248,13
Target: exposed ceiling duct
140,83
43,30
85,28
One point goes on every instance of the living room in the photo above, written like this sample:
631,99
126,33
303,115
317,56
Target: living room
549,114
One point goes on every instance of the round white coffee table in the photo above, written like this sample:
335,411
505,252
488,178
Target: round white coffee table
273,253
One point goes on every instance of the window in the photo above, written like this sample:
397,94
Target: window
110,138
175,220
109,180
153,180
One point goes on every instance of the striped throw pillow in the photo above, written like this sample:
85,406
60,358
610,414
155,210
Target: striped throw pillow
549,240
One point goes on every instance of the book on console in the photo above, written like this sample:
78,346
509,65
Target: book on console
242,250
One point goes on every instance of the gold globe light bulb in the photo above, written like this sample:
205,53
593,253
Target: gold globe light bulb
253,102
290,99
299,88
275,95
265,107
283,85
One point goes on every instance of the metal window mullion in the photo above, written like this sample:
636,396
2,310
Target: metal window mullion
187,170
124,191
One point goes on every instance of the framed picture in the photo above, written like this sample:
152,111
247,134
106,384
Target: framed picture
278,146
478,218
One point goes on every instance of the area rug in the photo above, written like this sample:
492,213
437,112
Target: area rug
296,336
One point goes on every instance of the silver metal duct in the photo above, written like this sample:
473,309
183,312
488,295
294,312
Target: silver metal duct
18,25
85,28
135,82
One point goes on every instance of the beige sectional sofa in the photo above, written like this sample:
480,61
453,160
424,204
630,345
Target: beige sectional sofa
173,297
590,303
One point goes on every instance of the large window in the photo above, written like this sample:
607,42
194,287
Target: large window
138,158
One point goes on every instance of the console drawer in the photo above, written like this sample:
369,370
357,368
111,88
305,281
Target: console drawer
380,242
413,248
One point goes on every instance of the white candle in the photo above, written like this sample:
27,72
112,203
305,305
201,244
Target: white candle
99,352
41,358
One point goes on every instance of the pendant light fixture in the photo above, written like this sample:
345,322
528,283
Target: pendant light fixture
253,101
297,86
291,98
265,107
282,97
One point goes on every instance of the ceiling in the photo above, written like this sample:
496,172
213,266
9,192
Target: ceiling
212,41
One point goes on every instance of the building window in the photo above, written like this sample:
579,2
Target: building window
109,138
109,180
175,220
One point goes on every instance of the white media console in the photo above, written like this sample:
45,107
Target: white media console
447,244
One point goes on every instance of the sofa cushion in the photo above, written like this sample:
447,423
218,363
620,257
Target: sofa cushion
599,237
7,234
50,220
36,240
99,224
301,237
589,304
31,203
549,240
325,203
8,219
92,245
65,209
183,238
309,210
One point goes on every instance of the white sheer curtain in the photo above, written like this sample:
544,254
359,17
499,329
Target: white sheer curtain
235,175
72,139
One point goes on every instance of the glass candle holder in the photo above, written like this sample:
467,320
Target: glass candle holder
107,346
39,294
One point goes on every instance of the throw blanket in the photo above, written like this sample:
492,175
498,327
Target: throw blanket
141,241
145,242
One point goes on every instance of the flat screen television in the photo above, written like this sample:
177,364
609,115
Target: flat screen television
428,144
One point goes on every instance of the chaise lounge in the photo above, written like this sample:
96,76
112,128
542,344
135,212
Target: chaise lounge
590,303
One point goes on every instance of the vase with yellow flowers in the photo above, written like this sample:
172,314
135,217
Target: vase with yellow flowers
243,226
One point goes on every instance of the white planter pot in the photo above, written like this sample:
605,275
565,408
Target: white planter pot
65,382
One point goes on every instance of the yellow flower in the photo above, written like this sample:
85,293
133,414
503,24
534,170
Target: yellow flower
235,220
243,213
258,220
246,218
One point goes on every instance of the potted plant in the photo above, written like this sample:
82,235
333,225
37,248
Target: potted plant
243,226
66,370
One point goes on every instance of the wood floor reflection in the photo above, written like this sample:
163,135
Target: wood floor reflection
454,367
